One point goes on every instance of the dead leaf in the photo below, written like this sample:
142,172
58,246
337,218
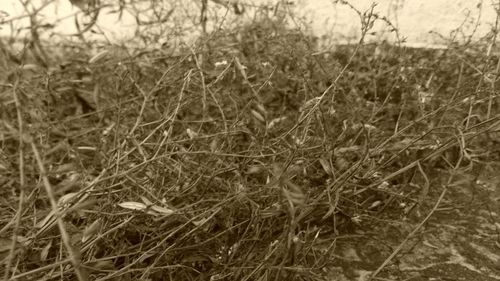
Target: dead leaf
146,201
45,251
91,230
66,198
258,116
162,210
375,204
326,166
98,56
133,206
254,170
276,121
241,68
191,134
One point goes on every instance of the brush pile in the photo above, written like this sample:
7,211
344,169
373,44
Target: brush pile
247,156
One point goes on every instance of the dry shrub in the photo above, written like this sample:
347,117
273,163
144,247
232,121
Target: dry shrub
219,161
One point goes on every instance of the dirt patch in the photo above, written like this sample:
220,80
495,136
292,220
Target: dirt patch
461,241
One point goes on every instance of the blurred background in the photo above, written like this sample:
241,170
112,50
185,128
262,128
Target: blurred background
423,23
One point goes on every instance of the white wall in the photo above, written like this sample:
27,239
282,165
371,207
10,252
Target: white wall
420,21
414,18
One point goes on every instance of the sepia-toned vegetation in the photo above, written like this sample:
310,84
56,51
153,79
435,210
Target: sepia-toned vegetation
246,155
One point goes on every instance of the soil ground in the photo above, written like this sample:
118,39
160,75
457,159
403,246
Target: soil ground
461,241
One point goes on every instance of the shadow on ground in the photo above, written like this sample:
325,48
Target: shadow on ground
461,241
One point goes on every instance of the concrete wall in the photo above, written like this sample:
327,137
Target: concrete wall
420,21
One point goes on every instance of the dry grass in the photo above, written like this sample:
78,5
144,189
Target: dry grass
245,157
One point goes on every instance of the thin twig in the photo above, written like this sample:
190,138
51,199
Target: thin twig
22,179
72,253
398,249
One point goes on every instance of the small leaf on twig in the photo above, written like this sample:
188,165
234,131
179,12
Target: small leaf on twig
133,206
326,166
162,210
91,230
241,68
258,116
45,251
191,134
98,56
